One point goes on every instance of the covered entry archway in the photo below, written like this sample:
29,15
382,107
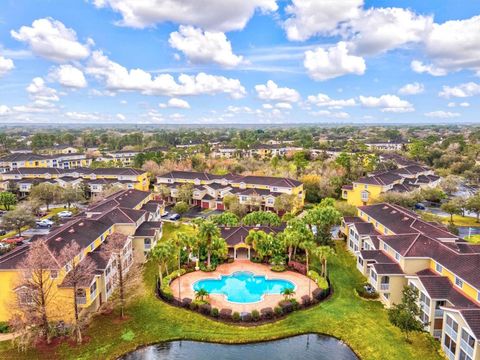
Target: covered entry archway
241,252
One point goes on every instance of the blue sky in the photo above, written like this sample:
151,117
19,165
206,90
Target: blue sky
241,61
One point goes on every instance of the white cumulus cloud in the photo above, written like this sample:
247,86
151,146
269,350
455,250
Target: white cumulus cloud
419,67
118,78
412,89
68,76
6,65
322,100
271,91
52,40
333,62
219,15
442,114
204,46
313,17
386,103
176,103
461,91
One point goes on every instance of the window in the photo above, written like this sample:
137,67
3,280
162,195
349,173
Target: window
468,339
397,256
385,247
464,356
458,282
53,274
364,195
452,324
386,231
449,344
373,275
360,261
438,268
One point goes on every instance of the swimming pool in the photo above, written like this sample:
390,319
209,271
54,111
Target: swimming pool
243,286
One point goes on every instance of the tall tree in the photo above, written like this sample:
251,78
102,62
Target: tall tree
207,232
323,253
7,200
71,194
46,193
406,315
114,246
37,284
162,253
18,218
80,272
473,204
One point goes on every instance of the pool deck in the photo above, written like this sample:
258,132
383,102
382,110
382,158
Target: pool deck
219,301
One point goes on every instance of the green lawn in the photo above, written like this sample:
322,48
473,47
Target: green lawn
361,324
473,238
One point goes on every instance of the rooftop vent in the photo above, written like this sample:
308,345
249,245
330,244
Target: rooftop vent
385,207
71,230
58,238
406,218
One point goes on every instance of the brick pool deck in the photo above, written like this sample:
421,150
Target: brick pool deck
220,302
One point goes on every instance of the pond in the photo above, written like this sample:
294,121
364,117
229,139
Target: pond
304,347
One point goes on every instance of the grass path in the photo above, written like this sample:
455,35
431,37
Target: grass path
363,325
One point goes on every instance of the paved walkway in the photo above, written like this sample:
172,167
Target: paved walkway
220,302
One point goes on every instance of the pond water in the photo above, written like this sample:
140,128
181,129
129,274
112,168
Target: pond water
243,286
303,347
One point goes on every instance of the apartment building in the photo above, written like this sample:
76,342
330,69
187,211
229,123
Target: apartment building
394,248
253,191
404,179
125,157
123,212
97,179
30,160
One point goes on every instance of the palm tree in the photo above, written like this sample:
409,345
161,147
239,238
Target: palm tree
200,294
288,293
162,253
260,242
323,253
308,246
207,231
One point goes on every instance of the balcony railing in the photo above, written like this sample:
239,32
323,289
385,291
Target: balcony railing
438,313
147,246
437,334
93,294
384,286
81,300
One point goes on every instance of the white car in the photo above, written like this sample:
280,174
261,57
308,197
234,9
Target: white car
65,214
45,223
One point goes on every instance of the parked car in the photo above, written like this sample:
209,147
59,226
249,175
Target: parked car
13,240
45,223
165,214
420,206
64,214
174,217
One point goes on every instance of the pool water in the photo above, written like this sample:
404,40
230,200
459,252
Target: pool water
243,286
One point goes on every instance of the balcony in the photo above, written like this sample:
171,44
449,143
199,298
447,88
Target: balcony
93,294
437,333
384,286
438,313
147,246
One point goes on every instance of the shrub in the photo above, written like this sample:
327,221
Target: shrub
319,280
246,317
278,268
362,292
306,300
299,267
267,313
278,311
205,309
193,306
214,312
4,327
286,306
226,314
204,267
186,302
255,315
236,316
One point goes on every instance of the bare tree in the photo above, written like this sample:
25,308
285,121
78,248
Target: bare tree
80,272
37,283
114,246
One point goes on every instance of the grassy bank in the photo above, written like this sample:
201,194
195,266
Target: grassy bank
363,325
